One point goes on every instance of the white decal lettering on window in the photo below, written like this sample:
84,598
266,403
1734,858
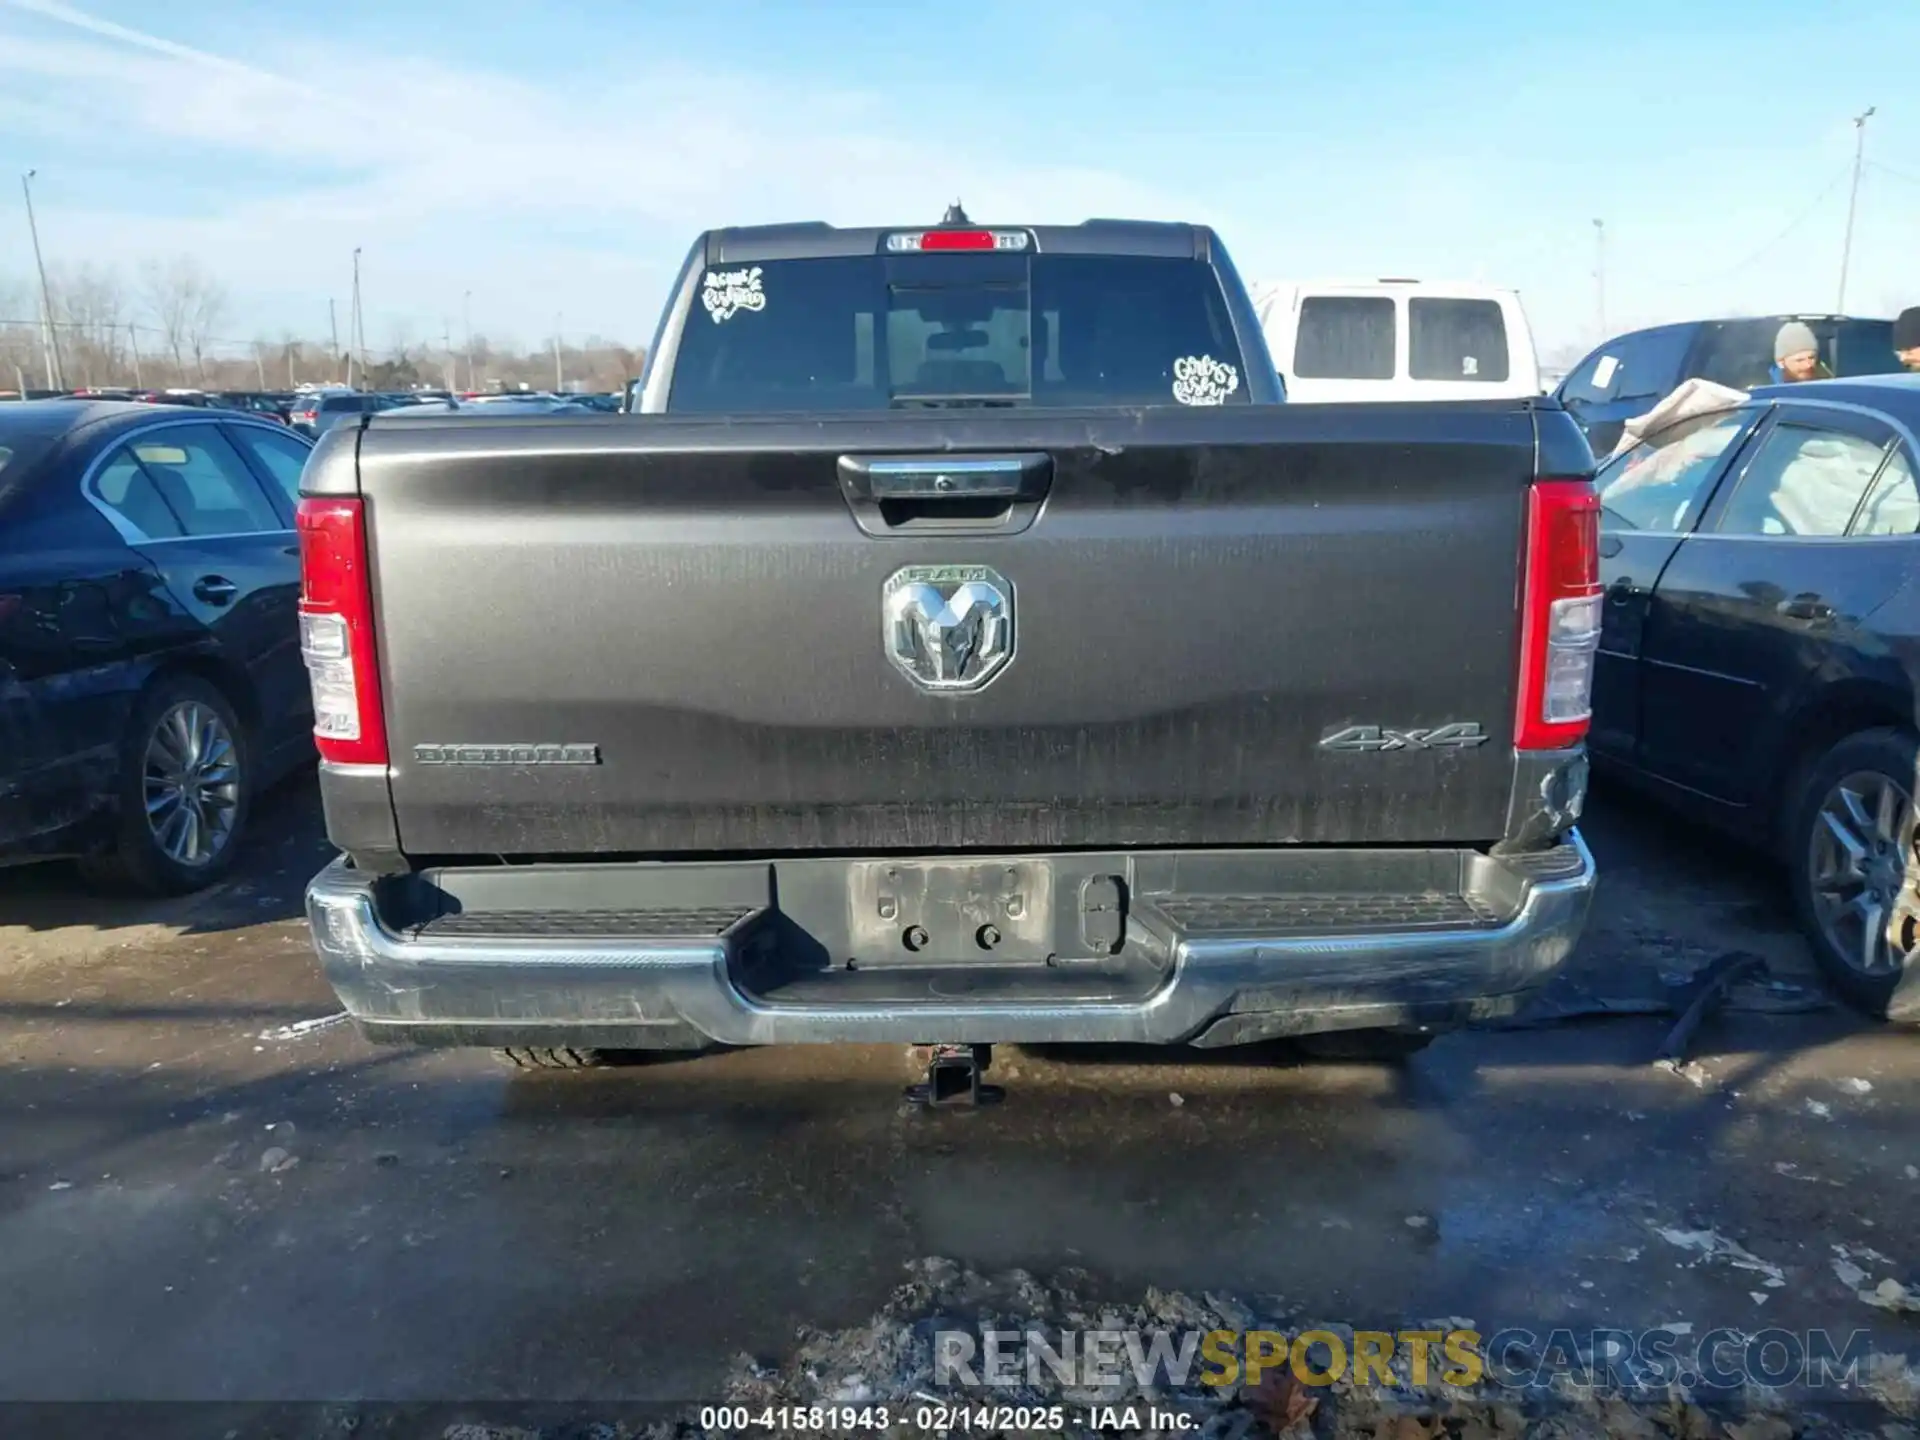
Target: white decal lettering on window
1203,380
726,293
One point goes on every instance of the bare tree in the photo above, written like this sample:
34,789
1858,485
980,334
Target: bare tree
19,345
168,292
208,309
89,306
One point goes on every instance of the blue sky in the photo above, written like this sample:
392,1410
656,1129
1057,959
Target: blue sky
555,161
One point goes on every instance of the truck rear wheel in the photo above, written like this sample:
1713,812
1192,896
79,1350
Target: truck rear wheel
1367,1047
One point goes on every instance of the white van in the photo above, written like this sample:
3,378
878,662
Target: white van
1398,340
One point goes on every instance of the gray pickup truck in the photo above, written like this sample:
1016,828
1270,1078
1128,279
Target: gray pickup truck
964,644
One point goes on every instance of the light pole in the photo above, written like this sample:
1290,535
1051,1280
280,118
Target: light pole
1853,200
1600,277
559,382
466,319
56,372
358,339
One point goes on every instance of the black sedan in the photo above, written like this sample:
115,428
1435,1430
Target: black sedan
1760,649
150,671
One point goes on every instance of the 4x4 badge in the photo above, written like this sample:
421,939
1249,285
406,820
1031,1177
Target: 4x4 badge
1462,735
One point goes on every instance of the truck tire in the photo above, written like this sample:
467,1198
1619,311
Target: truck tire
1854,871
564,1057
1367,1047
184,787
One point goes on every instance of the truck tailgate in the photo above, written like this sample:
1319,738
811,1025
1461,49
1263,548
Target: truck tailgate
1199,600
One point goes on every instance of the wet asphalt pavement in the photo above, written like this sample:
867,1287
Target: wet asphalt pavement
197,1202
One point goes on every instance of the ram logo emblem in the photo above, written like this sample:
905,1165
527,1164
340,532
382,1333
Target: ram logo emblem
947,627
1372,739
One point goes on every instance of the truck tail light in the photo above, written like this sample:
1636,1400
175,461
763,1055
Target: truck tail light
927,241
336,632
1559,615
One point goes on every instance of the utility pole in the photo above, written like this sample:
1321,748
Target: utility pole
133,342
1853,200
291,382
466,316
56,376
333,330
446,345
559,382
260,365
357,340
1600,277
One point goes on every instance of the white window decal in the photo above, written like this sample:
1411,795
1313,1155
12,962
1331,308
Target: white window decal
1603,372
1203,380
1469,365
726,293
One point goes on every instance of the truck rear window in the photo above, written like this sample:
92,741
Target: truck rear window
900,331
1463,340
1344,337
1740,352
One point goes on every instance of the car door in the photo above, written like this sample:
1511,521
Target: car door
1625,377
228,554
1650,499
79,610
1754,603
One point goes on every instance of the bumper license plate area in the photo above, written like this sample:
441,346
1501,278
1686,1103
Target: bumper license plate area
940,913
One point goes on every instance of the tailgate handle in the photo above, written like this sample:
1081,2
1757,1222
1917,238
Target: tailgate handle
975,494
947,477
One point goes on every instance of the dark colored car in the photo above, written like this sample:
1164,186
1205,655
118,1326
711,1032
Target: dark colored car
315,414
267,403
150,672
1760,645
1632,373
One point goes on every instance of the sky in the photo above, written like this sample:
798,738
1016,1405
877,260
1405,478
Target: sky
555,161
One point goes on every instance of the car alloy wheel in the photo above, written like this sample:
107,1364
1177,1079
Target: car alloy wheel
1859,857
192,783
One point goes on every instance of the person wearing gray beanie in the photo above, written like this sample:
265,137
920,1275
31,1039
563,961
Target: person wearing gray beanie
1796,354
1906,338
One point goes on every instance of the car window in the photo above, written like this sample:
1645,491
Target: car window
1592,380
906,330
1345,337
205,482
128,490
282,456
1650,364
1456,340
1655,485
1740,352
1804,480
1893,505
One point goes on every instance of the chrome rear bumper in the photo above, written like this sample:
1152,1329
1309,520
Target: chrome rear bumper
1183,975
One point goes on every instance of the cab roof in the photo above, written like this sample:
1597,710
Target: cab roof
815,239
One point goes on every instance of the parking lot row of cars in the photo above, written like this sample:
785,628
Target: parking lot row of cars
1758,661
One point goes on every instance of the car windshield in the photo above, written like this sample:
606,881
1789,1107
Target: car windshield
903,331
